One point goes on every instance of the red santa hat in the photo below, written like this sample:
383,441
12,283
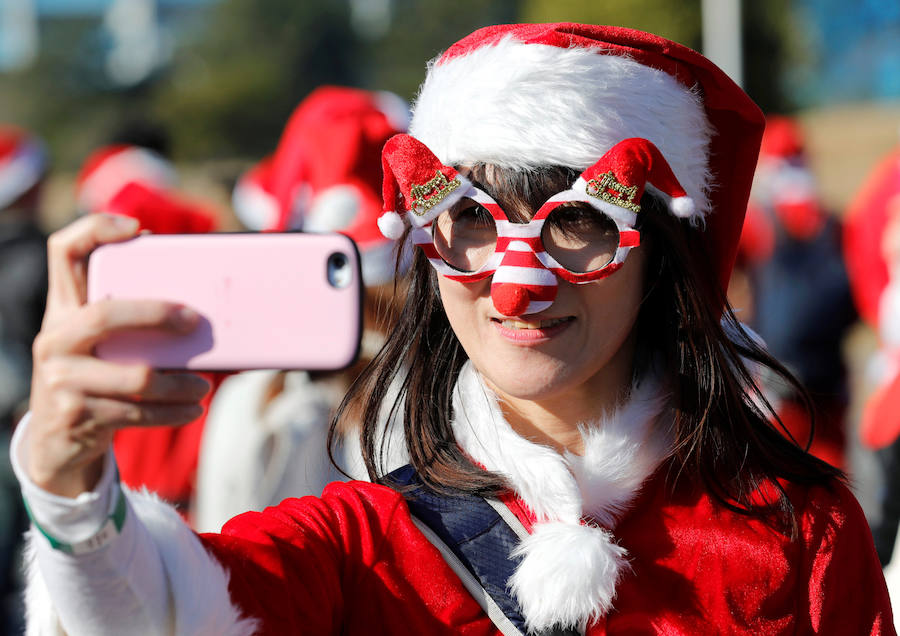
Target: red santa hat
22,163
161,211
783,138
784,182
109,169
325,174
530,95
864,223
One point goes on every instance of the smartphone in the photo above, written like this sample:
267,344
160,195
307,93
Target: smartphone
266,301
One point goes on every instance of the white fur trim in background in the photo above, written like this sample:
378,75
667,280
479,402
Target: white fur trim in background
569,571
520,105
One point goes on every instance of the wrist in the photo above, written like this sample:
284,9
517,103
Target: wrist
65,481
69,483
110,529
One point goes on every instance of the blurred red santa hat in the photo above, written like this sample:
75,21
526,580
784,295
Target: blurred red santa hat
109,169
865,221
528,95
137,182
783,138
325,175
23,162
784,182
162,212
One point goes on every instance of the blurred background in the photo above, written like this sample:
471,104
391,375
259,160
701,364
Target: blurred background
221,78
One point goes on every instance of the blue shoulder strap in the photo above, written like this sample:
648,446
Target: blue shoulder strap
473,530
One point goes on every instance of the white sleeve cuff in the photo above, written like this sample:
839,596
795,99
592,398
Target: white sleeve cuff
69,520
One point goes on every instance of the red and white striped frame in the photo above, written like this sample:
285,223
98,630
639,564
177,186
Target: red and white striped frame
519,256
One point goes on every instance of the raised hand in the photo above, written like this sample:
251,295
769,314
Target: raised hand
78,400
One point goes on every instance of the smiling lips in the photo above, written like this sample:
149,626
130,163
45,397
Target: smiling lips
531,331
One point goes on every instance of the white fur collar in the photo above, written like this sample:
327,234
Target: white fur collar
569,571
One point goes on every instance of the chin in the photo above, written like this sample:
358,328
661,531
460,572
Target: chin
527,382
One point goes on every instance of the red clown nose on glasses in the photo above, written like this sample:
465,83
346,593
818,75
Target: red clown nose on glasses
581,235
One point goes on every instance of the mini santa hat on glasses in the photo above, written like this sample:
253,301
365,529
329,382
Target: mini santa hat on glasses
532,95
426,187
325,174
22,163
413,175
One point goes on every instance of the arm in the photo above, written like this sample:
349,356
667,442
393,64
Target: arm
846,592
152,576
61,452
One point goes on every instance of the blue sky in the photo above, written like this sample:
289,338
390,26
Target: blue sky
92,7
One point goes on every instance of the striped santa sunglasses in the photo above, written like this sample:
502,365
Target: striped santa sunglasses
581,235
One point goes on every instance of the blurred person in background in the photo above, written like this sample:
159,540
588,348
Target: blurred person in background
791,286
872,248
882,410
131,177
23,291
266,433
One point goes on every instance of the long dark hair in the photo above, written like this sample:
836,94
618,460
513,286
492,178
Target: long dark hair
725,432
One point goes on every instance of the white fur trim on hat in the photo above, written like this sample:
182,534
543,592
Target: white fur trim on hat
254,207
391,225
568,573
131,164
334,209
523,106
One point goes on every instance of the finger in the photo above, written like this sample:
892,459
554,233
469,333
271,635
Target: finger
87,325
106,413
67,252
99,378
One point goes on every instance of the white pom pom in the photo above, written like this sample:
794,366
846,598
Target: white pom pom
568,575
682,207
391,225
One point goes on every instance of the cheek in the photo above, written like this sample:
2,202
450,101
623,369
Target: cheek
460,302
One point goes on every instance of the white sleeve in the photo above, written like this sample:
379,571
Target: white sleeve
154,577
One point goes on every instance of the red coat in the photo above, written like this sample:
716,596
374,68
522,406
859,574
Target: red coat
352,562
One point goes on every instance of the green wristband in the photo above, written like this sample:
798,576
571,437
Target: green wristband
110,530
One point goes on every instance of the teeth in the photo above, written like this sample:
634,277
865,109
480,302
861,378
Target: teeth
543,324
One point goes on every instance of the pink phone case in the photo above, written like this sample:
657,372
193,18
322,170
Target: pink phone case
267,301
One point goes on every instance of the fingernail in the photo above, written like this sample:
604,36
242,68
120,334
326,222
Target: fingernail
201,387
125,222
186,317
194,411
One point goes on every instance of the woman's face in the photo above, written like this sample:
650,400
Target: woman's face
580,348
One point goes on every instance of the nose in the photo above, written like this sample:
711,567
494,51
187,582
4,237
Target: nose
522,285
510,299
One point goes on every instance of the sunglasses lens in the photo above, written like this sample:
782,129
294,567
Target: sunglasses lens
465,235
581,238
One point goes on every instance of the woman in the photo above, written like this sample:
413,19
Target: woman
568,374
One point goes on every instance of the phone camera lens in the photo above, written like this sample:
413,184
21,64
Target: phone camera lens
339,271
